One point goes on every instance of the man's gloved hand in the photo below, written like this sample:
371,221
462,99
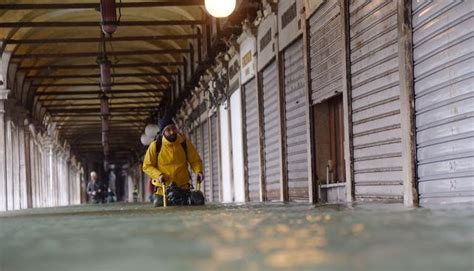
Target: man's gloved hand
200,177
162,179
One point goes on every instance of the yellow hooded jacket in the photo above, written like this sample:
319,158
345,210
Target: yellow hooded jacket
171,162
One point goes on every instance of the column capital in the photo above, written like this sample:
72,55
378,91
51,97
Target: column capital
3,96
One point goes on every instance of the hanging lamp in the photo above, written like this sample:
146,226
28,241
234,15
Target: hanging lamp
109,17
220,8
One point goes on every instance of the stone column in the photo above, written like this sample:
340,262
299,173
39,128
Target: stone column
67,181
28,164
45,195
32,169
3,176
55,166
47,169
63,177
70,182
39,172
10,194
22,158
36,175
16,159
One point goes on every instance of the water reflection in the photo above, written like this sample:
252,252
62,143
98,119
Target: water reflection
238,237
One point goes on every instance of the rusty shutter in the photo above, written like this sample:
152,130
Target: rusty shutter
252,136
271,124
205,159
375,100
215,159
326,52
444,100
295,118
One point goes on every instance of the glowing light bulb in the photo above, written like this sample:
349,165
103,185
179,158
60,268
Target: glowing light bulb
220,8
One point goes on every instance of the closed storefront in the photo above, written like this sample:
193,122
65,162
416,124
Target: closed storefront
252,134
214,158
268,70
271,123
192,136
206,160
443,48
248,68
198,145
225,153
375,98
295,100
239,187
325,52
327,89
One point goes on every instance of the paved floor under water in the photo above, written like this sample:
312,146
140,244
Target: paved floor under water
248,237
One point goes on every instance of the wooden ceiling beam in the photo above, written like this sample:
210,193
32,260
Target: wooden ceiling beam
95,126
135,98
96,129
97,139
98,148
112,123
117,75
96,6
95,66
98,24
97,136
96,54
93,92
78,115
98,84
99,39
111,104
118,138
112,110
73,126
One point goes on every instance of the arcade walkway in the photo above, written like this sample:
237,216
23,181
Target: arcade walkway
219,237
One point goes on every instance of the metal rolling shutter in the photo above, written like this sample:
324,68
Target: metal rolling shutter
198,143
192,137
215,159
205,159
444,100
252,136
271,123
199,146
295,115
326,52
375,100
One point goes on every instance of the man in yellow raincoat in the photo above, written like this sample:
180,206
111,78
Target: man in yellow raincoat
167,162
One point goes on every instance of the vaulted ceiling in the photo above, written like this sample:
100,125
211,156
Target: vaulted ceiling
56,44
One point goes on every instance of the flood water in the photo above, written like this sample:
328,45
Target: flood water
229,237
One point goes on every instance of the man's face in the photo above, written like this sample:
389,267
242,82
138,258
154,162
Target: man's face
94,177
170,133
